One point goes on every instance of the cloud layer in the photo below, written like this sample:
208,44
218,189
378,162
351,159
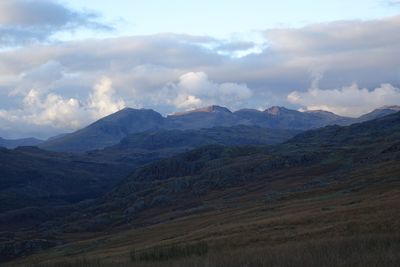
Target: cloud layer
172,72
350,101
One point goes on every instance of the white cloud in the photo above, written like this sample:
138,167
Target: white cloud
102,100
54,110
50,109
187,102
66,114
195,89
350,101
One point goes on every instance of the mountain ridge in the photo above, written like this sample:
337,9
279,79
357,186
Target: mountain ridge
113,128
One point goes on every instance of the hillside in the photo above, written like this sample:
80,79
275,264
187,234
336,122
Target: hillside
335,185
216,167
106,131
31,177
54,179
378,113
235,135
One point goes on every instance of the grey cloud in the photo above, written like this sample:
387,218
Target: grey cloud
393,2
27,21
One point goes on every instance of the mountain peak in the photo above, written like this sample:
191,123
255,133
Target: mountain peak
275,110
127,112
106,131
379,112
209,109
391,107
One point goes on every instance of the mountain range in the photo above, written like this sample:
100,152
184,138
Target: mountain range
110,130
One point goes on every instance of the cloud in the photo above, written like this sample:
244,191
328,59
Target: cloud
102,100
170,72
66,114
27,21
40,78
195,89
44,110
350,101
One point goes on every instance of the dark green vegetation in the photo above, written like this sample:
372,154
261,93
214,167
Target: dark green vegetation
113,128
327,197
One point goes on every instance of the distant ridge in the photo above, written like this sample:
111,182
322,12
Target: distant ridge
13,143
113,128
379,112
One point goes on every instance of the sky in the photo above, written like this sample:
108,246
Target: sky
67,63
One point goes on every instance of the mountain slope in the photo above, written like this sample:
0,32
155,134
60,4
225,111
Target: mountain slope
378,113
382,130
34,177
141,148
324,153
235,135
106,131
283,118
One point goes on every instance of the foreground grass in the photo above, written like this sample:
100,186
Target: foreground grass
365,251
165,253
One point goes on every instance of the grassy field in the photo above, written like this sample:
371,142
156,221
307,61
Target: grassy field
365,251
